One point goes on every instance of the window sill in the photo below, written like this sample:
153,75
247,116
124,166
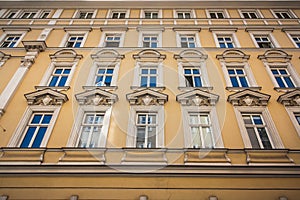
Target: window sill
236,89
280,89
152,88
64,88
107,88
193,88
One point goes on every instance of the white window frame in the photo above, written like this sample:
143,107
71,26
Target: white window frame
78,11
290,36
190,11
256,11
187,33
157,33
74,136
104,34
132,130
36,11
94,68
158,11
70,33
232,34
17,13
271,128
289,11
216,131
137,70
290,69
7,33
264,33
291,110
224,11
20,130
111,11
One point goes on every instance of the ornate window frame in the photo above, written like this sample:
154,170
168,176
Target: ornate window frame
150,31
230,58
158,11
72,31
225,32
14,31
263,32
146,100
249,101
46,100
96,100
182,31
256,11
78,11
198,101
290,33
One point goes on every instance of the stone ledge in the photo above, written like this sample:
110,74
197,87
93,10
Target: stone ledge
268,157
144,156
83,156
206,157
21,156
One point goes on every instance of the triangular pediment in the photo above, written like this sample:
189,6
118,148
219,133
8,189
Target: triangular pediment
291,98
147,97
248,98
96,97
46,97
197,97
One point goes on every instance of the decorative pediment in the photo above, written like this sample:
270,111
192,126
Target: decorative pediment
197,97
248,98
46,97
149,55
66,55
107,55
147,97
275,56
291,98
190,55
233,56
96,97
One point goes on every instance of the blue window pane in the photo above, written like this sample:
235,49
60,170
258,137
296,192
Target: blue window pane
280,82
222,45
230,45
46,119
264,138
28,136
154,45
72,38
58,71
36,119
99,80
282,71
234,82
197,82
39,137
152,71
144,71
274,71
220,39
53,81
243,82
239,71
144,81
108,80
231,71
12,44
192,45
227,39
77,44
298,44
257,119
196,71
187,71
101,71
152,81
110,71
289,82
62,81
67,71
80,38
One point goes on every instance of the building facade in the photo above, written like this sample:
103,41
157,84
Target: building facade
150,100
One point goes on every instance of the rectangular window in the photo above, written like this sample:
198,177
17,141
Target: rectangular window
283,78
45,14
104,75
75,41
237,77
85,15
118,15
146,124
225,41
249,15
296,39
201,129
28,15
151,15
263,41
184,15
192,77
216,15
297,116
148,77
36,129
257,130
90,130
59,76
112,40
150,41
11,14
10,40
187,41
283,15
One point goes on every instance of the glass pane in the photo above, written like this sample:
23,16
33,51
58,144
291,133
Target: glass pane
62,81
247,119
98,119
99,80
108,80
152,71
36,119
204,119
67,71
252,137
234,82
194,119
196,140
289,82
152,119
274,71
184,45
95,137
53,81
239,71
153,81
264,138
84,137
144,71
151,137
140,139
77,44
142,119
231,71
257,119
280,82
153,45
222,45
207,137
101,71
187,71
144,80
198,82
283,71
297,116
28,136
39,137
110,71
230,45
89,119
189,81
58,71
46,119
196,71
244,82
